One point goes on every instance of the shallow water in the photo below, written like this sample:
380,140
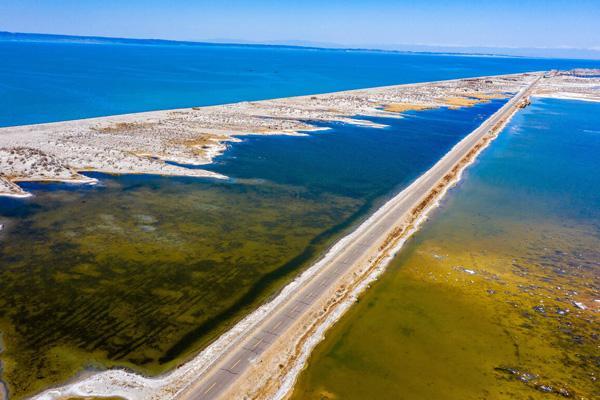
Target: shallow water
142,271
485,301
44,80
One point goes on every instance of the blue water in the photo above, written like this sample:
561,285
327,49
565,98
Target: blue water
548,156
43,81
352,160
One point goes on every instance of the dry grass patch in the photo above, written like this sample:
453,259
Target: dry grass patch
456,102
488,96
121,127
402,107
204,140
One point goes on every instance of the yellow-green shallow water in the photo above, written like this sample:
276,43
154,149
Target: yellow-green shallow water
141,271
486,301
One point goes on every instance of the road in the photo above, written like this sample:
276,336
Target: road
229,369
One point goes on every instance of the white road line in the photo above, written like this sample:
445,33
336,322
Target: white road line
277,325
210,387
258,343
236,363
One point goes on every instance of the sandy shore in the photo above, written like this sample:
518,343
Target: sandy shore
264,378
569,96
141,143
579,84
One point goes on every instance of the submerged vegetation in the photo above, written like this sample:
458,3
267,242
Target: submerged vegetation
497,296
138,276
489,320
142,271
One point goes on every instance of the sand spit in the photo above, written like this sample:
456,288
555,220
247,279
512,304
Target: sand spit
141,143
403,107
132,386
578,84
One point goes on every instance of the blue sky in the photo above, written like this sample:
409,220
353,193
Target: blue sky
499,23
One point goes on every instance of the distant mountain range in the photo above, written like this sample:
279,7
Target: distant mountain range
544,52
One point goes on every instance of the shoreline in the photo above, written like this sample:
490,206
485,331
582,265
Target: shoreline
336,310
156,113
134,386
319,334
565,97
145,143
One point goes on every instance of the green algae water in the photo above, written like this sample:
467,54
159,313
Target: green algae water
497,297
141,272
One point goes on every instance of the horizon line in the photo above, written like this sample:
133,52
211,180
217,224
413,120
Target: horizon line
329,46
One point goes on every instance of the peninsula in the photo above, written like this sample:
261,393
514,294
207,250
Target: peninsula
146,143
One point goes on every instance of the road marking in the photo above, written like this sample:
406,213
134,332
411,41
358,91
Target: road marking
236,363
257,343
278,325
210,387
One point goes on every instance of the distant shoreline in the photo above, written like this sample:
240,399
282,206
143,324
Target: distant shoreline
452,51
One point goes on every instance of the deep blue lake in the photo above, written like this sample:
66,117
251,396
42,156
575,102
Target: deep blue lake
45,80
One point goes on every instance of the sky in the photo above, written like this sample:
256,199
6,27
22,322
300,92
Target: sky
375,23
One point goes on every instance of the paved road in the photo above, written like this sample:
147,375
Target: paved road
227,370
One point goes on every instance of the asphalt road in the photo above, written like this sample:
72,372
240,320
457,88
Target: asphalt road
227,370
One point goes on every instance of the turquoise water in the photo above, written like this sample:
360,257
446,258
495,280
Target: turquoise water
45,80
552,151
523,323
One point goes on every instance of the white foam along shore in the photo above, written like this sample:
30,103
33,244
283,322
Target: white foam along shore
568,96
129,385
143,143
578,84
133,386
